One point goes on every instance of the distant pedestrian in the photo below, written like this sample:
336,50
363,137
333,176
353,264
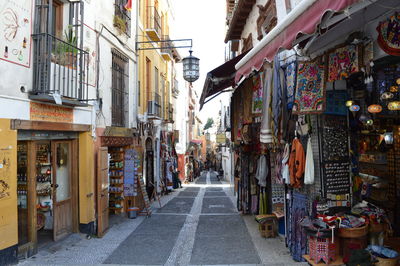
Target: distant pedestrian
177,182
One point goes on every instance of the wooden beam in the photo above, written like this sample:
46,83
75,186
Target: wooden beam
50,126
31,198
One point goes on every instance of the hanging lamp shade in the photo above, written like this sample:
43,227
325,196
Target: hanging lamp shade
374,108
191,68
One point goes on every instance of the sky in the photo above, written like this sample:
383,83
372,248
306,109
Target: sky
204,22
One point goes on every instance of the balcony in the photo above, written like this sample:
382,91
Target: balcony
153,27
166,50
154,106
60,65
170,113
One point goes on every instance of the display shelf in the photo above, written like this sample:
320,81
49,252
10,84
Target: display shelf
116,176
115,208
375,163
116,192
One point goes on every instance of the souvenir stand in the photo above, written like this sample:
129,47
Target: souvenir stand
333,140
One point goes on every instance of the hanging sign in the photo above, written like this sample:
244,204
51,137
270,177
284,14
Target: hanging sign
221,138
16,31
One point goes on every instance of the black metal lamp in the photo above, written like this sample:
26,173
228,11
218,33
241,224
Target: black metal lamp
191,68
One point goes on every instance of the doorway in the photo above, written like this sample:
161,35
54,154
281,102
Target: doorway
47,192
149,167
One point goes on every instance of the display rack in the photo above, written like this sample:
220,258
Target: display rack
116,180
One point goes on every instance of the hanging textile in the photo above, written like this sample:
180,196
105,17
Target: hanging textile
265,131
389,35
296,163
257,101
290,73
297,239
262,171
276,95
128,5
309,169
342,62
310,88
285,164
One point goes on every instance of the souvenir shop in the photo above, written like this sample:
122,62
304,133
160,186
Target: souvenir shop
318,137
119,170
168,160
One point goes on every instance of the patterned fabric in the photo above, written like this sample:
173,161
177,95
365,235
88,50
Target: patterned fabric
342,62
297,238
389,35
290,72
257,100
310,92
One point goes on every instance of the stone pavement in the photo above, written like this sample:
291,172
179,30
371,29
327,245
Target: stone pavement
197,225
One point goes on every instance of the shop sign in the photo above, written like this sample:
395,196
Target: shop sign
118,132
221,138
51,113
144,127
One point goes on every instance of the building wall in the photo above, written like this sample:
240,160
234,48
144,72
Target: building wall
8,186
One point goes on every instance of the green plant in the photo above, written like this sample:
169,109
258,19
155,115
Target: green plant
65,51
120,24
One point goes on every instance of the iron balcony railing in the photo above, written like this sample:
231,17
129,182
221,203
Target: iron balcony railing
60,68
154,105
153,19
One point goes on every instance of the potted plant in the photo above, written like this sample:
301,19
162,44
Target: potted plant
120,24
66,51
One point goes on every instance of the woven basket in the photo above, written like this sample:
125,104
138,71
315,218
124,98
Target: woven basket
353,232
387,262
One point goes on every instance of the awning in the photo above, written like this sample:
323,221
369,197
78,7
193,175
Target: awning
196,141
303,19
219,79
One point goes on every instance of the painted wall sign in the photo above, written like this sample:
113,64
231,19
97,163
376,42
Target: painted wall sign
16,31
5,173
51,113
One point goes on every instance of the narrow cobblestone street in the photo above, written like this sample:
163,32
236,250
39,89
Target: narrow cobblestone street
197,225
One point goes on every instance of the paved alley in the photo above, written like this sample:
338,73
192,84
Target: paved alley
197,225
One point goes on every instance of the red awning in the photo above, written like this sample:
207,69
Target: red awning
196,141
286,32
220,78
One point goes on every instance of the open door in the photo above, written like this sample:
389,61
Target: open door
102,191
62,189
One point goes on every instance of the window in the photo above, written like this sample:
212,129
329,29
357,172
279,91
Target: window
122,19
148,79
139,94
119,89
57,19
156,80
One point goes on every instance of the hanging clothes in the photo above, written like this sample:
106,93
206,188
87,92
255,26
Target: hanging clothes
285,164
296,163
262,171
276,95
265,130
297,238
309,168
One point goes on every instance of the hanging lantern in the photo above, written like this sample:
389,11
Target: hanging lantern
394,89
388,137
387,95
354,108
374,108
191,68
394,106
349,103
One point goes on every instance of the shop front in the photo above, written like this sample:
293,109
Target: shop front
44,185
315,134
119,159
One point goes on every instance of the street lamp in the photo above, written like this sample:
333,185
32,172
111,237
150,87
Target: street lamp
190,68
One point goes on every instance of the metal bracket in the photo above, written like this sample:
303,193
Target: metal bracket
164,44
